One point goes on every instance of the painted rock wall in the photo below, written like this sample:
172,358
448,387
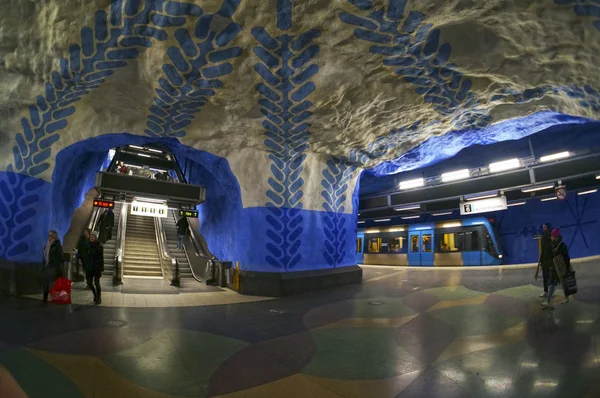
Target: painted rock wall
296,96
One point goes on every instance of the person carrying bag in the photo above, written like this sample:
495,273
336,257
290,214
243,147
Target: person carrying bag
561,272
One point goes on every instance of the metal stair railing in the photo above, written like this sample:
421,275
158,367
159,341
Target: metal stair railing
168,264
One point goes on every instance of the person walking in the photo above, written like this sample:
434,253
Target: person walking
545,259
559,248
106,222
53,257
95,267
182,228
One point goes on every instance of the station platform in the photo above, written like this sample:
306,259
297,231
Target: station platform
402,333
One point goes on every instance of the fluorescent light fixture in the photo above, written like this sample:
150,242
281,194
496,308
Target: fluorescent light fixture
136,147
409,207
588,192
361,222
481,195
144,155
396,230
451,225
422,228
371,231
516,204
155,150
504,165
410,217
442,214
537,188
548,199
456,175
382,220
416,183
554,156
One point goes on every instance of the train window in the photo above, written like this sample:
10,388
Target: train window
490,245
414,243
396,245
374,245
447,242
359,245
426,243
468,241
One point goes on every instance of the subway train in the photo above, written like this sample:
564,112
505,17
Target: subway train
466,242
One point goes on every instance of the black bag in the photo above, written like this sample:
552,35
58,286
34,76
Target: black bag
570,284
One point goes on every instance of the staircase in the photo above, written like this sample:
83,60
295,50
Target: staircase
110,246
141,252
170,227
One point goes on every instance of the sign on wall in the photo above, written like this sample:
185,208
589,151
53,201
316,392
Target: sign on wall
149,209
483,205
188,213
561,193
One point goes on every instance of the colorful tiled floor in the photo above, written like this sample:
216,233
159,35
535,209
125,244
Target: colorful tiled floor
402,333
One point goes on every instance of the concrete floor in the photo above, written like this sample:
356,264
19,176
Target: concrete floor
402,333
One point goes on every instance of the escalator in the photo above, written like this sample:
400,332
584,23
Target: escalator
110,247
170,227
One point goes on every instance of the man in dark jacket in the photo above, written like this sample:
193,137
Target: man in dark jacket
545,259
52,260
107,221
559,248
182,228
83,251
95,267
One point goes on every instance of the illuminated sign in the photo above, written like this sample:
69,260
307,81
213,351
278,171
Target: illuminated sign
107,204
483,205
149,209
188,213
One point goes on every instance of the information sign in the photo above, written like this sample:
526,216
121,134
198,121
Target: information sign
483,205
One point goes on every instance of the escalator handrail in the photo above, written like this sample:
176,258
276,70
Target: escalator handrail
165,257
120,244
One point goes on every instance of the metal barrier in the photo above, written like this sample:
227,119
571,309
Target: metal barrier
120,246
168,264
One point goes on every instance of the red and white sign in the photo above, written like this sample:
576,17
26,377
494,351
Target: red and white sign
561,193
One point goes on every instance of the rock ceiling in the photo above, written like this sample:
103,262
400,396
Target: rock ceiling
358,79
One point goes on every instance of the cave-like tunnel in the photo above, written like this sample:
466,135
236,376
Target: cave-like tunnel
277,105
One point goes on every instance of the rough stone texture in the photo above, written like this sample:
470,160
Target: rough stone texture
297,96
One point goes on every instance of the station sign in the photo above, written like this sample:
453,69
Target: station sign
561,192
149,209
188,213
483,205
105,204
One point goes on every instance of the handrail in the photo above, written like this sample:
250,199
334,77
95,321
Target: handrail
168,264
94,219
120,246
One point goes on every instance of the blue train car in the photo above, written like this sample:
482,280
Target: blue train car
466,242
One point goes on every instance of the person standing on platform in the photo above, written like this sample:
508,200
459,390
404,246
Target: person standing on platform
545,259
182,228
83,251
559,248
53,257
95,267
106,222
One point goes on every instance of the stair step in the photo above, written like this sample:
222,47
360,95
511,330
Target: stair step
141,273
141,268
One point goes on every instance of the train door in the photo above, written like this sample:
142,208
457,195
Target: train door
420,249
359,248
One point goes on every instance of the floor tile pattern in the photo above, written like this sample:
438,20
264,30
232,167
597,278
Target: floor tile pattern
402,333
